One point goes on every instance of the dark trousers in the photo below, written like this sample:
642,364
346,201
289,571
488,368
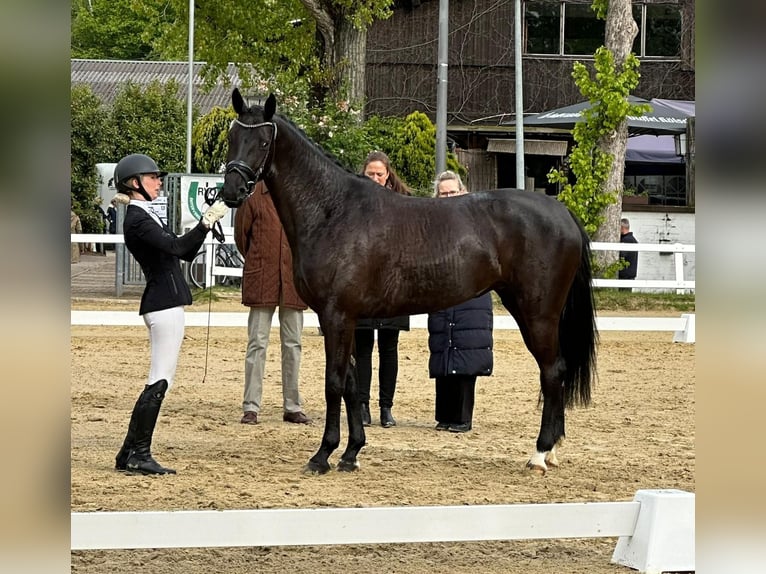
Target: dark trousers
454,399
388,368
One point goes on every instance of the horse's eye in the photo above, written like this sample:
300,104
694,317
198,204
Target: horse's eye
264,144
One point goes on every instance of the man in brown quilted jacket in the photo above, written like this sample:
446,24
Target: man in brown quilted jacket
267,283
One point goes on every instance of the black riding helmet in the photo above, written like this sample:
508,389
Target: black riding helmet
134,165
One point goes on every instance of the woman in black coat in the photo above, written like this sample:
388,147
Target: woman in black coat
378,168
158,250
460,342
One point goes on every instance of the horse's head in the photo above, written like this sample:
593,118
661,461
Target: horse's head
251,148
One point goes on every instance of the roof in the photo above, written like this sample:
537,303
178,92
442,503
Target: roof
105,77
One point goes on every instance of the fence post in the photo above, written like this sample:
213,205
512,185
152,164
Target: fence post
119,253
678,257
209,264
663,539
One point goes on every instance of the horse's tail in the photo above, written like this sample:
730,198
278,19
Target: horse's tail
578,335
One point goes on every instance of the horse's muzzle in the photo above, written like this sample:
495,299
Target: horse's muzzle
234,194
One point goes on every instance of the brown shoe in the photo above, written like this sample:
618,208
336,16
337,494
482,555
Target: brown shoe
297,418
250,418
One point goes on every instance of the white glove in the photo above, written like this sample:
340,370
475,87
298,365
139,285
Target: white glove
122,198
214,213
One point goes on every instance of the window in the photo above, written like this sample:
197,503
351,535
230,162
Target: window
663,30
558,28
662,189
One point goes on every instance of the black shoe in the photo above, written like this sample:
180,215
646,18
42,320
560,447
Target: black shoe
144,463
442,426
366,416
459,427
386,419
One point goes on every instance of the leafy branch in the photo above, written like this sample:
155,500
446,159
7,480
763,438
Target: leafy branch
588,162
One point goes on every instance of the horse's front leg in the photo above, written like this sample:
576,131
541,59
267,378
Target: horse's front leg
356,435
552,421
337,344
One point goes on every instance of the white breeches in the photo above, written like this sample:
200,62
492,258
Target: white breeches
166,333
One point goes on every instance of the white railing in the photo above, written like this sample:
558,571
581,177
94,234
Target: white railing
655,530
683,327
678,250
679,283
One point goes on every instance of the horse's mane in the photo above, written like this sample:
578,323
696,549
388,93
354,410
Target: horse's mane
305,136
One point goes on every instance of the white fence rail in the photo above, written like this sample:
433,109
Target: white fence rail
679,283
655,530
304,527
683,327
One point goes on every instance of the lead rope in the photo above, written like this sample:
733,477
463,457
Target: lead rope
207,334
211,194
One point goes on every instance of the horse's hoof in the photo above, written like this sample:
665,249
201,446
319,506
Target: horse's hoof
536,464
534,469
314,468
552,461
348,465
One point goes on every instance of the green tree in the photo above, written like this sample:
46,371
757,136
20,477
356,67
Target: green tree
209,143
597,160
108,29
92,137
414,153
151,120
322,42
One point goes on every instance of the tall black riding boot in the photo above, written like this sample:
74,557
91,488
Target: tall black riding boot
145,413
121,460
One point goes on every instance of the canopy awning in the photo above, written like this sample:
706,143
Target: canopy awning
531,147
665,117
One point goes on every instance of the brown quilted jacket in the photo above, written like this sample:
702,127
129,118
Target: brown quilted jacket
267,278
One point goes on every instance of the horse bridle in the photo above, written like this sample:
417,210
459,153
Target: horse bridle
242,168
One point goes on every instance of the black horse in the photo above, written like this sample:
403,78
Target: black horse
362,251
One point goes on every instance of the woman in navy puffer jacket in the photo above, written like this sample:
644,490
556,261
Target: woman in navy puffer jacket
460,342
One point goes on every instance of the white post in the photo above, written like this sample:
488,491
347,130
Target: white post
209,263
663,539
678,260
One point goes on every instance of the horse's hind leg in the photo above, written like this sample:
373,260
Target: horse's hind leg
540,335
356,435
552,420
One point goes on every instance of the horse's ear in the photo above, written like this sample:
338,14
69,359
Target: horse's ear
237,101
269,108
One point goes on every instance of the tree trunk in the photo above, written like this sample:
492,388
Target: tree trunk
350,58
343,50
621,29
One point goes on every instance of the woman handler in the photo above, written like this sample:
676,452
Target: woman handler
157,249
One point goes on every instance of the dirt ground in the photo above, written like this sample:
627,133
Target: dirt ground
637,434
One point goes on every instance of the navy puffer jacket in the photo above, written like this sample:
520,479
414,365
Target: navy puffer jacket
460,339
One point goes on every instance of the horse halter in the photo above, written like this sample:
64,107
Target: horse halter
242,168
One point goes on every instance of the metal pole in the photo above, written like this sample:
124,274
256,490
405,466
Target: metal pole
189,92
519,99
441,90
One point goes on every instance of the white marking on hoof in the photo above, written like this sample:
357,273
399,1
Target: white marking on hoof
536,464
551,458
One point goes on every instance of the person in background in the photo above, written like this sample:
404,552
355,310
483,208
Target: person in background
111,216
75,226
460,343
267,283
626,236
377,167
157,250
